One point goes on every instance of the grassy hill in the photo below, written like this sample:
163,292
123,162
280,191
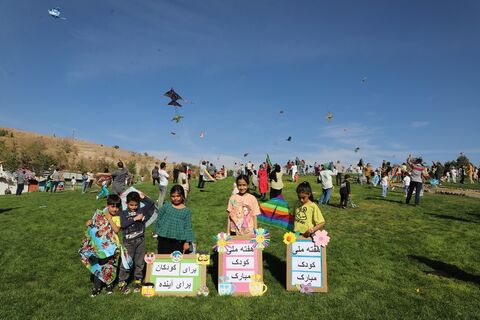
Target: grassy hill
40,151
386,260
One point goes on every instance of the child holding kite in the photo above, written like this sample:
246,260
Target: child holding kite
174,224
133,226
242,209
101,249
308,218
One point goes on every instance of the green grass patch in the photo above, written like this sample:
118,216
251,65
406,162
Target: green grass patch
379,255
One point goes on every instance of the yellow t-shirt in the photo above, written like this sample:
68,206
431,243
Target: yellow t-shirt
116,220
307,216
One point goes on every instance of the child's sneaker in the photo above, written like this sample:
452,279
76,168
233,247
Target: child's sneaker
123,288
109,289
137,287
95,292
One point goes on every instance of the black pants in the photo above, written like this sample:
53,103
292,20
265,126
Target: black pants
156,179
418,188
90,183
275,193
201,182
19,189
343,199
338,178
167,245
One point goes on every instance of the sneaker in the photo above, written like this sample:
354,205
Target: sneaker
137,287
154,235
95,292
123,288
109,289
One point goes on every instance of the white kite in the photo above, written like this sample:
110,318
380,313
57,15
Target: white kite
56,13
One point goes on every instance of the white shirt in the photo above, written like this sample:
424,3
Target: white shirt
326,176
163,177
406,181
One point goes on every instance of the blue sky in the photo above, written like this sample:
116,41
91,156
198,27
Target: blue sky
103,71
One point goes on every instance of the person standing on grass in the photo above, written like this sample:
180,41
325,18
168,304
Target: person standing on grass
416,179
73,182
183,179
344,192
162,185
20,181
406,182
201,173
308,217
118,178
262,181
276,182
55,176
384,184
174,224
155,175
327,184
104,270
340,170
84,182
242,209
133,227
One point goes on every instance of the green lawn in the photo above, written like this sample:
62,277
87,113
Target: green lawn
378,256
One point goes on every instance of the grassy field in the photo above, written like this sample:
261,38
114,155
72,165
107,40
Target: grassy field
386,260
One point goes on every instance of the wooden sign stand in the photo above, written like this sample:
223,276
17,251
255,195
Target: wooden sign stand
306,264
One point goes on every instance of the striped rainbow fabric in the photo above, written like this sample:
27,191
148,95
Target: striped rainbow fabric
275,213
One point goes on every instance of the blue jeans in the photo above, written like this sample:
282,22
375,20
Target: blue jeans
326,194
384,191
102,192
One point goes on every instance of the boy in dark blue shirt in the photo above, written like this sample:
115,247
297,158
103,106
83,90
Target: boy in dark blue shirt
133,227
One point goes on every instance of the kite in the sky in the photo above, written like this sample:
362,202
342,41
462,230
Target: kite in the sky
364,80
177,118
172,95
289,139
356,149
281,111
329,116
245,154
174,103
173,133
56,13
202,135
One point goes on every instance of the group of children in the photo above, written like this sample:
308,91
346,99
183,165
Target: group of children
173,227
174,230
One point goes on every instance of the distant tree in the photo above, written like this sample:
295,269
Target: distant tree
3,133
116,147
462,160
132,167
145,154
145,172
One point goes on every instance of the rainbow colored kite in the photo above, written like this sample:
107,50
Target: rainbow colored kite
275,213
